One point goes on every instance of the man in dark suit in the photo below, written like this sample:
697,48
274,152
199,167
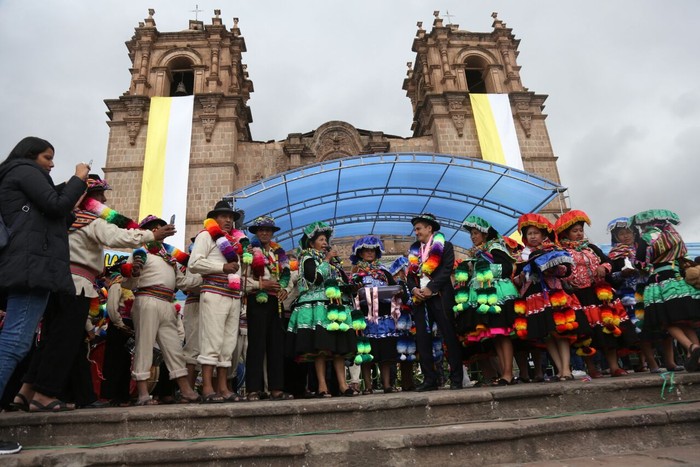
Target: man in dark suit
429,280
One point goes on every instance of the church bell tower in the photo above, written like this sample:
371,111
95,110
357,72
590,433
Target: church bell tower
450,64
204,61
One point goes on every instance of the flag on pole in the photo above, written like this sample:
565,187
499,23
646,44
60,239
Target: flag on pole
496,129
167,161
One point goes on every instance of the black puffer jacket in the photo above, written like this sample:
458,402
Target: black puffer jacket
37,255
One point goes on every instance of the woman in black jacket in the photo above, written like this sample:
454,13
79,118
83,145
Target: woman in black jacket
35,262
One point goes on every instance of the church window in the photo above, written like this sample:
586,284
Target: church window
475,71
181,77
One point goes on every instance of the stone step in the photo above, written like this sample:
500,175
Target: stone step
385,411
477,443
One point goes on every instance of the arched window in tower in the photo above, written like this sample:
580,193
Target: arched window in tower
181,77
475,69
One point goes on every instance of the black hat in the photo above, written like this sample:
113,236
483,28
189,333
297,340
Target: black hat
427,218
223,207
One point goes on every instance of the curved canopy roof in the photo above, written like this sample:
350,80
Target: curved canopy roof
380,193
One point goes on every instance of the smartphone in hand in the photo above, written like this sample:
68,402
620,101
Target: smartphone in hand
172,219
90,163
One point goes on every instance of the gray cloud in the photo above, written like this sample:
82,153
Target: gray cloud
621,78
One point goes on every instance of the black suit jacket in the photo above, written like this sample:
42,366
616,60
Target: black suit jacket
440,280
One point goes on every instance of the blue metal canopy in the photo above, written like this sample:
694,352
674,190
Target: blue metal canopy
380,193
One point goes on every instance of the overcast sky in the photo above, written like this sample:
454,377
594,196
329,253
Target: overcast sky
622,79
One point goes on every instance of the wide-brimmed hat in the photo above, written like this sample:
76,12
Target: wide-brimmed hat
150,219
263,222
428,219
223,207
480,224
655,215
533,219
569,219
95,183
370,242
313,230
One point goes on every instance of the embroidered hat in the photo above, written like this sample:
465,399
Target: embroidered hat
370,242
266,222
476,222
398,265
223,207
569,219
150,219
653,215
312,231
482,225
619,223
536,220
95,183
428,219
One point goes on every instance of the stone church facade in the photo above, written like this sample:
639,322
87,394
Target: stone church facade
207,60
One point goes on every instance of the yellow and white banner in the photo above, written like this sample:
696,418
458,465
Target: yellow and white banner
496,129
167,162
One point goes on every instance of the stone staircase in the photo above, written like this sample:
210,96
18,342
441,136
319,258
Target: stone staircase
477,426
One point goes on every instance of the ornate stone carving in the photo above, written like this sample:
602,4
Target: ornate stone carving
336,139
458,120
456,105
132,129
134,116
209,115
525,121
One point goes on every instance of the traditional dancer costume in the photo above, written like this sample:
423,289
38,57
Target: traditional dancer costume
484,304
668,298
546,309
321,320
629,282
220,296
153,311
612,328
382,312
264,312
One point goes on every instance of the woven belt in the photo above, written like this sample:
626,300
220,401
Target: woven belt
156,291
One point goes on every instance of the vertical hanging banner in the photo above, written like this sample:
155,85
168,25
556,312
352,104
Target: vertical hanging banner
167,162
495,128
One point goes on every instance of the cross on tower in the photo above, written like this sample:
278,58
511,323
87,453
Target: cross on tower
196,11
448,16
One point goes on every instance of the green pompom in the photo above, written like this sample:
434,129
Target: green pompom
458,308
358,360
493,299
462,297
480,277
497,309
344,327
342,316
483,308
261,297
333,326
247,258
482,299
488,275
366,358
461,276
332,315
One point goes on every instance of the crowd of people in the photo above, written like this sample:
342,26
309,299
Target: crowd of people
301,321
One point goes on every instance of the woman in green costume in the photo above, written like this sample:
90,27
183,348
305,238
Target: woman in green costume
321,323
485,295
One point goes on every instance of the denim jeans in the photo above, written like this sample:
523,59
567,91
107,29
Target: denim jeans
24,311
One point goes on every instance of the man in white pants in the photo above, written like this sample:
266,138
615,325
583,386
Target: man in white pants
219,305
155,318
